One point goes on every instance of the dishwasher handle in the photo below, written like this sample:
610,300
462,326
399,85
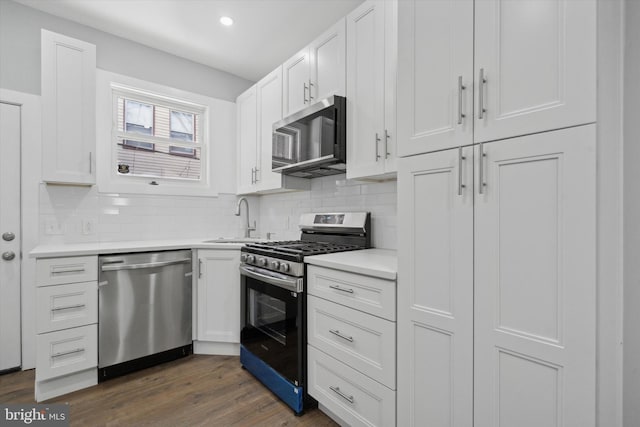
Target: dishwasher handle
144,265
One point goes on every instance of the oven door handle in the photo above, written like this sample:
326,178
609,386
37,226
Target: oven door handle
292,284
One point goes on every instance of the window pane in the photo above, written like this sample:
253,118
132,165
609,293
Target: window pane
163,162
137,145
182,126
138,117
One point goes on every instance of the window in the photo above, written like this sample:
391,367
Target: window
157,137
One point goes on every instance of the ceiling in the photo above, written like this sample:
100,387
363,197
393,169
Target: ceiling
265,32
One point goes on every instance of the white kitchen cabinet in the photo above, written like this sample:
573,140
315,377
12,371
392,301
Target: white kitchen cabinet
351,332
435,75
534,70
218,296
68,109
257,109
371,90
247,135
435,289
67,325
316,72
496,301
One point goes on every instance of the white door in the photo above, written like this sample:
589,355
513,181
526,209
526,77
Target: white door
269,111
10,246
435,289
538,58
365,90
535,299
327,63
295,82
246,105
219,296
435,62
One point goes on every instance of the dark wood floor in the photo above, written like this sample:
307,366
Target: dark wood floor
194,391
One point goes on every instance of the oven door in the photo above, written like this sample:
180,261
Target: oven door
272,320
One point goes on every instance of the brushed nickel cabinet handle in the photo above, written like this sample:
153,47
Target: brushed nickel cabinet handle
481,82
310,96
304,93
460,159
481,183
338,288
66,353
68,307
341,335
461,87
377,151
337,391
386,144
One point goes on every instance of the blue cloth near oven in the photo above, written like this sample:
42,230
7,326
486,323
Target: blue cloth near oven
280,386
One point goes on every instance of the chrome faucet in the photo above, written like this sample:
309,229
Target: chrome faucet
249,228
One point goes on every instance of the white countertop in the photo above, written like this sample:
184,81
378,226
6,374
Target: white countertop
382,263
97,248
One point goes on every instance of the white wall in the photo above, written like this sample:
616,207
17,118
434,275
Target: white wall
632,215
20,56
280,213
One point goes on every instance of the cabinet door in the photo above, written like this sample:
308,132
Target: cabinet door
246,105
295,83
535,281
68,110
435,289
327,63
435,62
390,151
365,90
539,61
219,296
269,111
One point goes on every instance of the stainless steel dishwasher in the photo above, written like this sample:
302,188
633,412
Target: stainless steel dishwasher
144,310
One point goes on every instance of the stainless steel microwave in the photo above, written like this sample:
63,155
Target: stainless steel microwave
312,142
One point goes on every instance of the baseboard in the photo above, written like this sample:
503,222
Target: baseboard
216,348
54,387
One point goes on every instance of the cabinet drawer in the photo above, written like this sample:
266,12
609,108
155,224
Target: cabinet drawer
369,294
354,397
362,341
56,271
66,306
64,352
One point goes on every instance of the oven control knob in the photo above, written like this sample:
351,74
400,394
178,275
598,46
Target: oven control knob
243,257
284,267
262,262
275,265
251,259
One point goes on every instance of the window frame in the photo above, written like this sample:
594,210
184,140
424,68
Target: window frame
110,86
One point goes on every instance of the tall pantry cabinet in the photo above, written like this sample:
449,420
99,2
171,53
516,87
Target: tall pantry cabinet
496,215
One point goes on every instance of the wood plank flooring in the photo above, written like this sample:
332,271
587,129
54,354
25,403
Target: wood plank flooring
194,391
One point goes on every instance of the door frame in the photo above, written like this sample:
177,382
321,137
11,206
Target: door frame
30,173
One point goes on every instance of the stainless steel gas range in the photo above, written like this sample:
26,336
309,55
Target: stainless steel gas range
273,324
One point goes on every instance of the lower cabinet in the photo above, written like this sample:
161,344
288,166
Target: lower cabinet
351,348
217,304
67,325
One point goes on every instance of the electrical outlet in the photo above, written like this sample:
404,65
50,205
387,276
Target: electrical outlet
88,226
52,227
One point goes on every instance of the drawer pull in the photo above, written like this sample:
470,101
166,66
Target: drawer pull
66,353
338,288
337,391
339,334
68,307
67,269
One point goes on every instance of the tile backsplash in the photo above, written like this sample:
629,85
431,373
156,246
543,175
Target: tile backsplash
81,214
279,213
70,214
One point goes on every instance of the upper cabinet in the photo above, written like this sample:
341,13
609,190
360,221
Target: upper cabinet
371,90
316,72
68,110
257,109
246,120
534,70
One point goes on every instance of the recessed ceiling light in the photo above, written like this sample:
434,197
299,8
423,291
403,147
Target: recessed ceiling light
226,21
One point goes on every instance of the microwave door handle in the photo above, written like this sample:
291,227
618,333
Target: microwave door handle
292,284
